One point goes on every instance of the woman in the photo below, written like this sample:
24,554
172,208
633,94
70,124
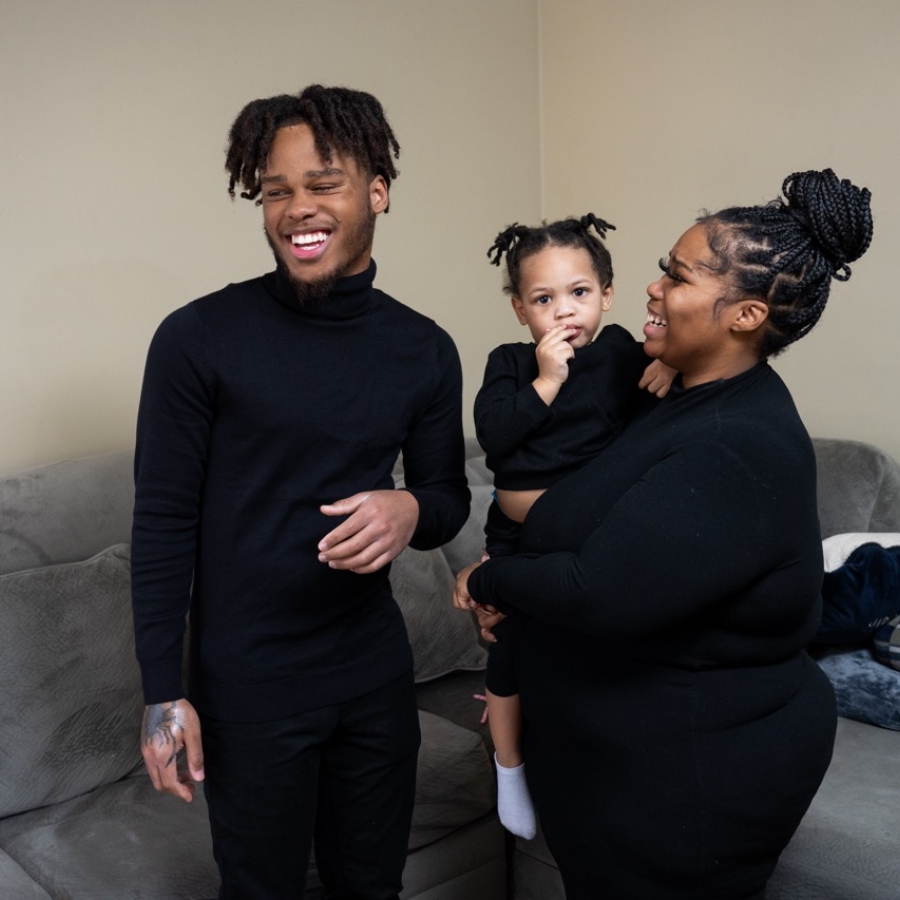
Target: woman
677,731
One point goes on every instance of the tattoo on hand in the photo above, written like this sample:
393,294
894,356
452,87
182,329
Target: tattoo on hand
160,726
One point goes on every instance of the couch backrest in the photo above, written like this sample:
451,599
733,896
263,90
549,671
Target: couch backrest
859,488
72,510
65,512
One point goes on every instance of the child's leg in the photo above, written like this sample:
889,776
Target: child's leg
505,722
514,804
504,710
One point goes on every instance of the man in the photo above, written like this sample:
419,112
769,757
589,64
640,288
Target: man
271,415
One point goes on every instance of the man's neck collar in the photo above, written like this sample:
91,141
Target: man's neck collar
350,297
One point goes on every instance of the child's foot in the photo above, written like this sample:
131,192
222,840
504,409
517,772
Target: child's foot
514,802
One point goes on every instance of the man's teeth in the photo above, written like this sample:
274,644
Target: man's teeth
303,240
653,319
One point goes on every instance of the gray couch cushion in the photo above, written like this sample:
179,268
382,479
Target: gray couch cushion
443,638
108,844
846,846
70,708
466,547
454,780
66,511
120,841
16,883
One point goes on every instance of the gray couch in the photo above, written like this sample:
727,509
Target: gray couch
78,819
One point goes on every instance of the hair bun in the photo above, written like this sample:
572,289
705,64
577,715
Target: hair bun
836,212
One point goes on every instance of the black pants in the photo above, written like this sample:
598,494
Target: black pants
502,539
342,775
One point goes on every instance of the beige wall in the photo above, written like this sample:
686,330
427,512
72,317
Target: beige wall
654,109
114,207
114,203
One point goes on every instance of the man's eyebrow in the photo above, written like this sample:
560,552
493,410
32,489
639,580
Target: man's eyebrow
329,172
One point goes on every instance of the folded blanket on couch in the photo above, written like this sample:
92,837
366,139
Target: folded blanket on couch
858,643
860,596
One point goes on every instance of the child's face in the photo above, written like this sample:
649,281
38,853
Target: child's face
558,286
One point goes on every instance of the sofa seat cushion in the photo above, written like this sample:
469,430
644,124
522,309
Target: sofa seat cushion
118,842
16,883
108,844
70,708
455,780
846,846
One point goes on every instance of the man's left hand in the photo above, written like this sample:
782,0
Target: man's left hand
380,525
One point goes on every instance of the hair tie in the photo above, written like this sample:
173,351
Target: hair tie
506,241
599,225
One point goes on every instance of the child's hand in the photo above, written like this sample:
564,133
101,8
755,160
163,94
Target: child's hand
553,353
657,378
487,617
462,599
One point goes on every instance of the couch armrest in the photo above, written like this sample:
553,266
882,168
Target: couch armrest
859,487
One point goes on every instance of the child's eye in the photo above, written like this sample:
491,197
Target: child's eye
664,265
580,291
543,300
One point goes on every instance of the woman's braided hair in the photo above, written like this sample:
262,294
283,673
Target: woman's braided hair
342,120
787,252
519,242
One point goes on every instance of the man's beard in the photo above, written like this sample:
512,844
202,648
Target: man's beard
312,294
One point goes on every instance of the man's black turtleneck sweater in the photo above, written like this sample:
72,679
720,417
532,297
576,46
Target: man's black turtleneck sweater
255,412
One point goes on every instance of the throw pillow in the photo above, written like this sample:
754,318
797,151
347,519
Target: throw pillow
70,698
468,545
443,639
886,643
865,689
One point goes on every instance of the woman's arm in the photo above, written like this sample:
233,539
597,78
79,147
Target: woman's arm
695,529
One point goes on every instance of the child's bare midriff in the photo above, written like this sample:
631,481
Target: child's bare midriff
515,504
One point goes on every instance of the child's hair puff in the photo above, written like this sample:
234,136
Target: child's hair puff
519,242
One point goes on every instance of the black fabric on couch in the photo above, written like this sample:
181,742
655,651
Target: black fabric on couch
860,596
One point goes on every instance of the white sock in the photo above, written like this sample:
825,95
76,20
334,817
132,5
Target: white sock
514,802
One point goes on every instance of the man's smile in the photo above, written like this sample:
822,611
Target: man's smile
309,244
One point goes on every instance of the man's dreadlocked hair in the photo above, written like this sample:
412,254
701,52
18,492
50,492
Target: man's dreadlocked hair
342,120
519,242
787,252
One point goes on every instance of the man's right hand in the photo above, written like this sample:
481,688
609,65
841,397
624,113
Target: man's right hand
168,729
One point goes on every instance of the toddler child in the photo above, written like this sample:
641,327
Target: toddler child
545,409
